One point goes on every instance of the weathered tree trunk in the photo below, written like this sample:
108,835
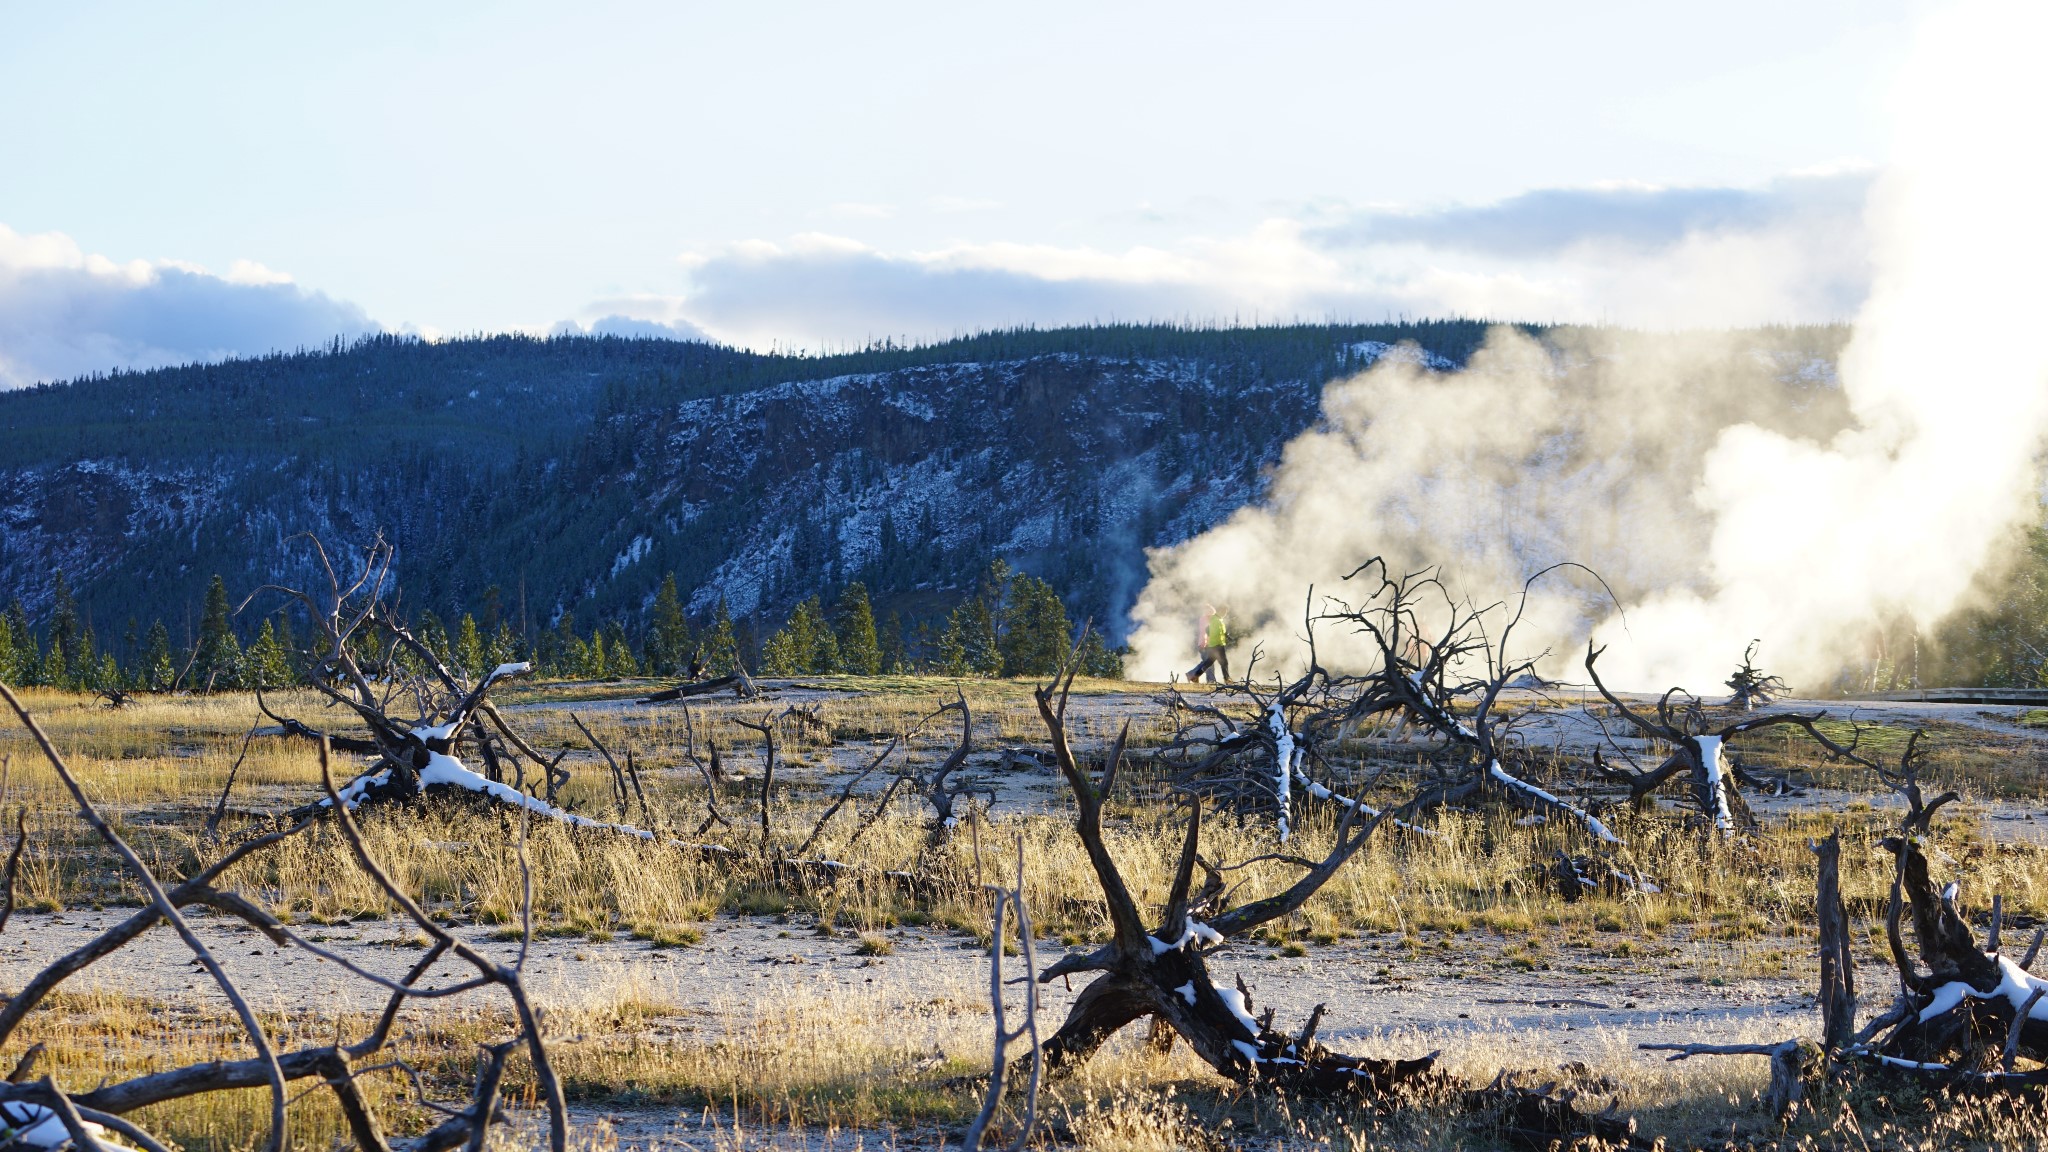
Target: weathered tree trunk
1837,966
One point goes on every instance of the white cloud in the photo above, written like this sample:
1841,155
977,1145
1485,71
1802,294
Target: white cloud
646,317
250,272
1793,250
1549,221
65,312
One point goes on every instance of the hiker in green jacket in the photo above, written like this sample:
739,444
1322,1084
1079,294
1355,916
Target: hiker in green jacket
1214,637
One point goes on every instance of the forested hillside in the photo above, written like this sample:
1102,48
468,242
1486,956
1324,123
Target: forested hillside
549,488
524,480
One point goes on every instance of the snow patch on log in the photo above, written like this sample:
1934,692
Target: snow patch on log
1323,792
447,770
1284,755
1902,1062
36,1126
1717,784
1640,883
1196,930
2015,984
1187,992
1591,822
353,792
1234,1000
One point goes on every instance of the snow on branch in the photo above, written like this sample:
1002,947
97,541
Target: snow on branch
1592,822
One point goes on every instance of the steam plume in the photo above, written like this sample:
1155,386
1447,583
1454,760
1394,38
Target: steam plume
1722,496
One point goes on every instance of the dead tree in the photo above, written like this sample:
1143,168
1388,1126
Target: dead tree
939,787
45,1115
1011,901
1448,680
1837,963
1750,685
767,727
1163,973
416,721
797,866
1974,1011
1445,679
1965,1012
1698,752
1245,756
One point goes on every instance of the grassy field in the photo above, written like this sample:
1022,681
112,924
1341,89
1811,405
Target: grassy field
802,1061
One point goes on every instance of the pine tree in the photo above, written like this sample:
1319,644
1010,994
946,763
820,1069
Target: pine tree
82,660
52,673
824,643
853,623
219,663
131,649
490,611
157,667
504,645
746,634
1035,637
995,588
722,650
894,659
668,632
804,644
8,674
470,658
23,658
432,633
295,659
783,653
618,652
563,652
1099,659
970,646
266,664
57,662
83,664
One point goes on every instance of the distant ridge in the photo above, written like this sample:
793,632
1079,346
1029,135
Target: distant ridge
571,473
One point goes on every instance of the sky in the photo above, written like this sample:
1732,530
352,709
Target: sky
191,181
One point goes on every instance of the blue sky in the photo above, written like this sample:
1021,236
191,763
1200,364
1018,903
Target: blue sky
194,181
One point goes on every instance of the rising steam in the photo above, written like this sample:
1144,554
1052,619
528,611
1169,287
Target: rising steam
1724,486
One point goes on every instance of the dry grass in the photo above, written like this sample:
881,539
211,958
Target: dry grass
802,1061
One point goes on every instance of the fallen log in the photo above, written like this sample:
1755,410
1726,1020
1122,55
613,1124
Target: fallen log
741,684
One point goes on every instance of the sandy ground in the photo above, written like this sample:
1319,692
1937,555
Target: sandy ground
1373,990
1458,993
1378,994
1382,999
